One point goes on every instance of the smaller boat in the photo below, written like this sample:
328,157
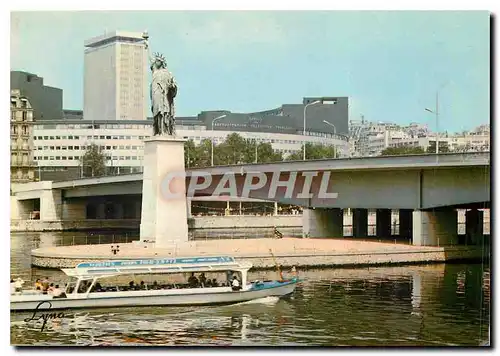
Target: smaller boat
84,289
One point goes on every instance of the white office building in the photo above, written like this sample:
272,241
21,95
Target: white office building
115,77
59,145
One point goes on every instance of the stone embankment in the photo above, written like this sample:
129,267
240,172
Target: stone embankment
288,252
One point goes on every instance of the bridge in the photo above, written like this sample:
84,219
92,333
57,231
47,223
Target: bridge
426,189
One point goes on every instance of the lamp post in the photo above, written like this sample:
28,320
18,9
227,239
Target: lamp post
332,125
212,149
436,113
255,141
334,132
304,132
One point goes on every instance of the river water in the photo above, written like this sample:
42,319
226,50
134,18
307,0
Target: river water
432,305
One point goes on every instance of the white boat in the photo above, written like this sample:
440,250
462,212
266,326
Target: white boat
84,289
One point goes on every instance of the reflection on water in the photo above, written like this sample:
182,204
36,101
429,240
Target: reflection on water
386,306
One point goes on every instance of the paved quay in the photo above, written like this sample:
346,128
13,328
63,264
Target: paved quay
327,252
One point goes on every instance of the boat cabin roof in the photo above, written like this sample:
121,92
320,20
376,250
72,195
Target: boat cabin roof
164,265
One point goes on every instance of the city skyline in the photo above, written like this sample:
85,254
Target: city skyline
248,61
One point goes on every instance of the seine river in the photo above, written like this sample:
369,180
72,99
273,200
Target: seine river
432,305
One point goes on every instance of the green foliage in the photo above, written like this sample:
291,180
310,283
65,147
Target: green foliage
93,162
395,151
234,150
314,151
443,147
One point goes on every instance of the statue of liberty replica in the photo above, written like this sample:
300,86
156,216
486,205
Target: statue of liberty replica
163,213
162,91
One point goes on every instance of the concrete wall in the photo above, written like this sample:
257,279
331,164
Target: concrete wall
74,210
38,225
242,221
448,187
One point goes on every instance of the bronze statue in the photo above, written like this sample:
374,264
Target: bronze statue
163,90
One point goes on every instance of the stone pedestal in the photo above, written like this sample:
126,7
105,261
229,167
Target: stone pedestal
164,206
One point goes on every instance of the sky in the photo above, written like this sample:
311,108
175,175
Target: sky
389,64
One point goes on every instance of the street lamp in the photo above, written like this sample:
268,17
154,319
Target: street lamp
304,132
332,125
256,145
212,153
436,113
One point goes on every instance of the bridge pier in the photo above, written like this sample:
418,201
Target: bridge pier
383,226
118,211
50,205
435,227
74,209
406,224
101,211
474,226
360,223
323,222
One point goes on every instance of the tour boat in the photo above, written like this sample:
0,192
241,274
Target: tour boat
84,289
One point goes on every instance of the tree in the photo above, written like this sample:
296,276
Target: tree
314,151
93,162
405,150
234,150
266,153
443,147
189,153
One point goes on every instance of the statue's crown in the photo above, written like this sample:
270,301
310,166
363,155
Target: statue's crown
159,57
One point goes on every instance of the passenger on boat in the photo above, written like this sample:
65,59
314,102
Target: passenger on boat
83,287
18,284
51,288
235,284
58,293
193,281
203,279
155,285
38,285
12,286
131,285
45,285
214,283
142,286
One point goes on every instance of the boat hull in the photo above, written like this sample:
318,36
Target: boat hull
156,298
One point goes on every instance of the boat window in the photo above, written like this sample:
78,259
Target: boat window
70,287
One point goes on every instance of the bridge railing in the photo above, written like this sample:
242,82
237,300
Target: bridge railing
92,239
